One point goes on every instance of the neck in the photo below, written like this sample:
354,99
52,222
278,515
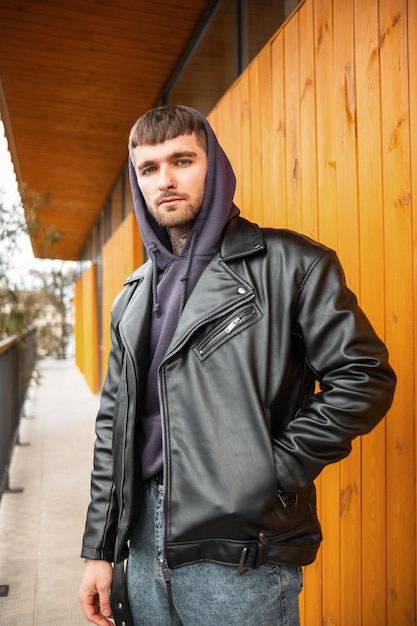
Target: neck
178,239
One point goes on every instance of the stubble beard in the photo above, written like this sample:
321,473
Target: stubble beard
176,219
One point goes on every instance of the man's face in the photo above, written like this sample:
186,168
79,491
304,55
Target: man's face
172,178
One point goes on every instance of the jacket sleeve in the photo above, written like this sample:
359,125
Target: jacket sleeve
351,366
102,513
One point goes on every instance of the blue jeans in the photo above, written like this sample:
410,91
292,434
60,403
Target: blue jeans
204,594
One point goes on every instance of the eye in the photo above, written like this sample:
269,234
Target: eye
183,162
148,170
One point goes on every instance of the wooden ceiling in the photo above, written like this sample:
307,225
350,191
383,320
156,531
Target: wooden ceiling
75,75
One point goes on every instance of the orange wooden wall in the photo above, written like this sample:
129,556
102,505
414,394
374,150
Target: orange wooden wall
122,253
78,328
322,132
86,331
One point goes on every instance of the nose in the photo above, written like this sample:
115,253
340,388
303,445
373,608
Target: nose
165,180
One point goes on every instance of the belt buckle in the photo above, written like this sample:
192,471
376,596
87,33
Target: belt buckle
243,563
259,556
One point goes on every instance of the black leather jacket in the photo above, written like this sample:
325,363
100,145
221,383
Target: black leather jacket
245,430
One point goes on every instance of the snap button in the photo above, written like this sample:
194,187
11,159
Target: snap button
241,290
120,605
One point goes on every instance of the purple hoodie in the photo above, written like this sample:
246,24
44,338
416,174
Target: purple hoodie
174,278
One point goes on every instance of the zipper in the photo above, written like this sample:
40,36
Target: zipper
121,510
218,315
166,573
230,327
223,313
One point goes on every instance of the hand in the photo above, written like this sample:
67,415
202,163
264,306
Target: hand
94,593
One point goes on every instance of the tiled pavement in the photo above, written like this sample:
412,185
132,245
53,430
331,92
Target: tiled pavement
41,527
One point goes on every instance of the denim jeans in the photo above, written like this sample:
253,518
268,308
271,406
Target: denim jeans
204,594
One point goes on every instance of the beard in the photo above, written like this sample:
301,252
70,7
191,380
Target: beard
181,215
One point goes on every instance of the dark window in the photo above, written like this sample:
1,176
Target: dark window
231,36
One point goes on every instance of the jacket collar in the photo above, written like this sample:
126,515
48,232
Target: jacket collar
139,273
241,238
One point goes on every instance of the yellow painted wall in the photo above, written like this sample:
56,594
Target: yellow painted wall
322,132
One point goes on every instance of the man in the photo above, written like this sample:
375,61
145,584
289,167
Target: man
209,432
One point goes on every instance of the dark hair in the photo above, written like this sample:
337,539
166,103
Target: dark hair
166,122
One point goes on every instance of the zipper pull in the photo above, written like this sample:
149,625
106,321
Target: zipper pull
166,573
232,325
283,499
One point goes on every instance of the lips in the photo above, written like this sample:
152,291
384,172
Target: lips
169,199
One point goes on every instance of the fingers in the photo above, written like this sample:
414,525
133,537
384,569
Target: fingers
94,614
104,601
94,592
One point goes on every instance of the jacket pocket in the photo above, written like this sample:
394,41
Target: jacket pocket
295,516
228,328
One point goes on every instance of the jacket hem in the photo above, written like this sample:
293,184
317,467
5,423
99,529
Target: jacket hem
243,555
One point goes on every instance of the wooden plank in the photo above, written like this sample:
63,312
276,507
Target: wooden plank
267,154
279,131
308,133
412,56
78,325
223,123
393,31
372,300
326,159
292,125
237,151
345,145
89,302
245,146
330,562
311,599
256,122
326,185
116,268
348,251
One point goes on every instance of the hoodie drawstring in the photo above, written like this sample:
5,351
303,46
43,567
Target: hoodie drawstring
184,279
153,251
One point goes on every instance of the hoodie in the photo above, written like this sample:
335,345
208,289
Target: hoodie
174,278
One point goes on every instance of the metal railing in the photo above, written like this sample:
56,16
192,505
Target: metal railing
17,362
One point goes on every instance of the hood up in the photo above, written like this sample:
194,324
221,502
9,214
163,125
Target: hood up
204,238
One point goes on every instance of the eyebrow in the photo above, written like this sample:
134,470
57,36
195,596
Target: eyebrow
172,157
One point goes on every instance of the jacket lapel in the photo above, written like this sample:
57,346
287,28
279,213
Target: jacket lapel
135,321
219,289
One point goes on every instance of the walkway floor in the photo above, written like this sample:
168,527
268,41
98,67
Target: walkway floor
41,528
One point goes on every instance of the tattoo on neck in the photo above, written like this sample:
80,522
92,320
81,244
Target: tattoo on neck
177,241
